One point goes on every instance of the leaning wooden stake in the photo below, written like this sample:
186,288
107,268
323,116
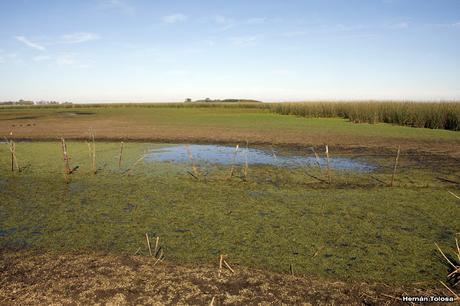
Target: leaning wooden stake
67,170
395,166
121,155
328,165
232,169
190,157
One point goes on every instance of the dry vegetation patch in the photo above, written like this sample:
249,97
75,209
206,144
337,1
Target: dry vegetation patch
33,279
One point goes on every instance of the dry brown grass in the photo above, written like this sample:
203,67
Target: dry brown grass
42,279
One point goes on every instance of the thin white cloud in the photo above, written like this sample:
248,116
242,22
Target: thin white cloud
69,60
456,24
243,40
120,5
295,33
174,18
65,60
399,25
178,72
80,37
30,43
256,20
41,58
225,23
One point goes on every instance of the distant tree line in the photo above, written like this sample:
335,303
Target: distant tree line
25,102
208,100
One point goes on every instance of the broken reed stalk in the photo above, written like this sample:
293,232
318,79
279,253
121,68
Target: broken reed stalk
232,169
221,259
228,266
317,159
454,196
12,147
65,155
148,243
130,170
457,298
121,155
223,262
328,165
455,274
273,153
93,152
212,301
395,166
246,164
156,245
190,157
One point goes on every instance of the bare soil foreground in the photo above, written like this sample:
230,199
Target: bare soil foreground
70,279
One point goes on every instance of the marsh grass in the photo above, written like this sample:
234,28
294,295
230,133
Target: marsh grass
365,230
422,115
432,115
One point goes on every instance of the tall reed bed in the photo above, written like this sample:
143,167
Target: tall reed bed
443,115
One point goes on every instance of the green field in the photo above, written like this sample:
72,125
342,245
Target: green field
356,228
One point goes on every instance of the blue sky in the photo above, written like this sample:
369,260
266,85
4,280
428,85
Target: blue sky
152,50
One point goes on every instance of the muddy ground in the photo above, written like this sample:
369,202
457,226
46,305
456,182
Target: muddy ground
83,279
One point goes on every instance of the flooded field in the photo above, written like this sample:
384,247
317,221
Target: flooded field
261,155
283,212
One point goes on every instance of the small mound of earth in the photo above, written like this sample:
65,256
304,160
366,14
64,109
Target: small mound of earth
64,279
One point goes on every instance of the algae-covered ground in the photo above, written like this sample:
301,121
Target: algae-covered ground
356,228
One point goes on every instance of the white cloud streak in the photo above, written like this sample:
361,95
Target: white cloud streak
41,58
30,43
120,5
80,37
174,18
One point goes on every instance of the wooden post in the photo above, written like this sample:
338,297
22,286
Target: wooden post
395,167
232,169
121,154
93,153
246,164
328,165
12,155
66,159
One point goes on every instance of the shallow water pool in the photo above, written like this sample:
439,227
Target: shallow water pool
225,155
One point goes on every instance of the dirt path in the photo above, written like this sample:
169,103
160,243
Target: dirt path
43,279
